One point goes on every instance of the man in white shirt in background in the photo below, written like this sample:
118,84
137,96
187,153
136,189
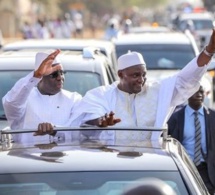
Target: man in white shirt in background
37,101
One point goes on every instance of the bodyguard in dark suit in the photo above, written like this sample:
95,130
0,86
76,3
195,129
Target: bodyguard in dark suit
181,127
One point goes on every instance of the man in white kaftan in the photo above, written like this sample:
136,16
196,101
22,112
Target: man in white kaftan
149,106
27,104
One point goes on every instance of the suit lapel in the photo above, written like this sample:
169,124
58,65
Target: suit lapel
207,126
181,116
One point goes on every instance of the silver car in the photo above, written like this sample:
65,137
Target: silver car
94,166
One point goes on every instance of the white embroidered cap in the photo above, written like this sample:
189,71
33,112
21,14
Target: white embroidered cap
40,56
130,59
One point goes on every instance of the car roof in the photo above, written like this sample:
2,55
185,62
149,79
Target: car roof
63,44
153,38
101,155
197,16
71,60
105,46
149,29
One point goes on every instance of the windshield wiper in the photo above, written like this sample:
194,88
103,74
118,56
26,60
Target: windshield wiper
3,117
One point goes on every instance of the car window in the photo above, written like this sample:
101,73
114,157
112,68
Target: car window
103,182
80,82
168,56
198,24
111,57
110,74
7,80
114,60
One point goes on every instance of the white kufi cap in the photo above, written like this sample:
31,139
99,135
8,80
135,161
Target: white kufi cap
130,59
40,56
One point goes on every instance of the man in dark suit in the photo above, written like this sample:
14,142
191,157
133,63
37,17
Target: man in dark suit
181,127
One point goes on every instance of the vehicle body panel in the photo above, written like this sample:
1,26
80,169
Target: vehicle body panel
106,47
95,166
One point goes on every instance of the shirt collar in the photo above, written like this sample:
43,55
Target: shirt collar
190,110
143,90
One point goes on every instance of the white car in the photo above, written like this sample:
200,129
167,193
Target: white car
84,70
106,47
202,22
165,54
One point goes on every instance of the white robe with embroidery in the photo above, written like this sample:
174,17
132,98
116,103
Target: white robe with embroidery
150,108
25,107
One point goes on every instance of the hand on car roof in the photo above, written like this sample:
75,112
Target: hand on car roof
44,129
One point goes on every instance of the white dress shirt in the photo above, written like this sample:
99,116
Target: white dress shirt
25,107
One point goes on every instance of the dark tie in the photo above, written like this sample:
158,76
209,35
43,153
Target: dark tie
197,153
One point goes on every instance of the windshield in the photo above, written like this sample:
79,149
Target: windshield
161,56
198,24
81,183
77,81
81,81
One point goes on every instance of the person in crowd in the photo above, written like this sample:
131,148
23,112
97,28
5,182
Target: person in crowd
127,24
79,24
134,101
38,101
27,31
112,31
68,27
62,28
183,126
41,30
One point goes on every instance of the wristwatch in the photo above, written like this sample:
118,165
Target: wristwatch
207,53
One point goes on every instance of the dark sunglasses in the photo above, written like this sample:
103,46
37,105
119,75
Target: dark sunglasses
57,73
